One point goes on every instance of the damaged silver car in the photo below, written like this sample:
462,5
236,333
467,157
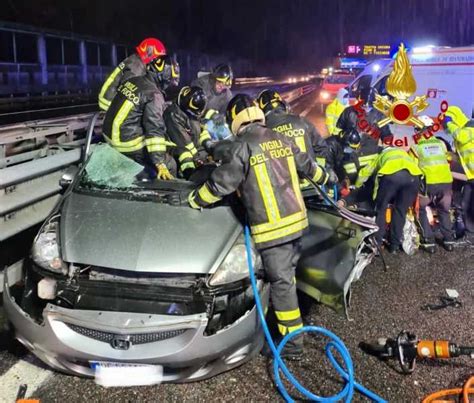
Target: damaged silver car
123,274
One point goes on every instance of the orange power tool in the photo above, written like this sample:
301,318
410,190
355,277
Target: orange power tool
406,347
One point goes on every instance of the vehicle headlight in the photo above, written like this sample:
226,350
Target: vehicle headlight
45,251
235,267
324,95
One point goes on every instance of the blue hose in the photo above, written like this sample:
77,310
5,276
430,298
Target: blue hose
335,344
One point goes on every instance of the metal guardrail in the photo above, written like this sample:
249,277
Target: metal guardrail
30,189
291,96
40,137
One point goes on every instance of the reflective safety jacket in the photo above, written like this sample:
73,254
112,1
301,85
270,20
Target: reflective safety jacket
135,119
132,66
215,101
333,111
348,165
354,162
299,131
432,157
265,168
464,142
186,133
389,161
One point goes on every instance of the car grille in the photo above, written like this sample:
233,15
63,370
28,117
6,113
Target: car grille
137,338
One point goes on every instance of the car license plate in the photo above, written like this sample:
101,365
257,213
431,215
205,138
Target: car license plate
110,374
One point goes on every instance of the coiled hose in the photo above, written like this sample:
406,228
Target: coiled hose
335,344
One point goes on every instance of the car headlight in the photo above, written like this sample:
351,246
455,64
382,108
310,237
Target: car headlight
234,267
45,251
324,95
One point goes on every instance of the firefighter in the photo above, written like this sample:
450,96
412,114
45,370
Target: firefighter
134,122
216,86
334,110
397,179
462,131
263,167
342,155
296,129
363,118
132,66
432,157
184,129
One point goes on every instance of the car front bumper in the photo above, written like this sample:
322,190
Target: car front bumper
70,339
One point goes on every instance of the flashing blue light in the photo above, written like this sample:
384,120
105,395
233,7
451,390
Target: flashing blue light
394,48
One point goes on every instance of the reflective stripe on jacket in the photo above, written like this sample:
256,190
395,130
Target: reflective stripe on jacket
298,130
132,66
389,161
432,159
265,169
464,142
333,111
134,119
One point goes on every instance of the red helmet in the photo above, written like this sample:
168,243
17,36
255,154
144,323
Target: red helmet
149,49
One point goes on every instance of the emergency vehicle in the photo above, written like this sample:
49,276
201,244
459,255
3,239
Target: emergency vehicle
332,84
441,73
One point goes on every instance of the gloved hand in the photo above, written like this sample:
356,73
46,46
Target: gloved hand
163,172
445,121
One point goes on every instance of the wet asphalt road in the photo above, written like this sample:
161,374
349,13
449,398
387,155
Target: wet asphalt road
383,303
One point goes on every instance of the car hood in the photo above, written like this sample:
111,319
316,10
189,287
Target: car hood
145,236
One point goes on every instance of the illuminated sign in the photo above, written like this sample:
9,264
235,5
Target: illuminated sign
369,50
354,63
353,49
376,50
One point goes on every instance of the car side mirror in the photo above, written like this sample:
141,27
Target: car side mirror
67,177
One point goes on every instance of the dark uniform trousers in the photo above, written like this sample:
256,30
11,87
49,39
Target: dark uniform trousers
439,196
400,189
280,264
468,206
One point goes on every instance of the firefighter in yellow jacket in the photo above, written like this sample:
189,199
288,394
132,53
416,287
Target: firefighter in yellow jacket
334,110
432,157
462,130
264,168
397,181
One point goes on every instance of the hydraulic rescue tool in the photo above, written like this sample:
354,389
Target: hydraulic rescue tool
406,348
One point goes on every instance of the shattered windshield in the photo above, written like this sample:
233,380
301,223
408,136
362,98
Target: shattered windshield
108,168
109,173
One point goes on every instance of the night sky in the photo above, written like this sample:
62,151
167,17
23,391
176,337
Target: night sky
297,34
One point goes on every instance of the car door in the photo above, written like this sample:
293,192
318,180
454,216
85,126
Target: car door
335,251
